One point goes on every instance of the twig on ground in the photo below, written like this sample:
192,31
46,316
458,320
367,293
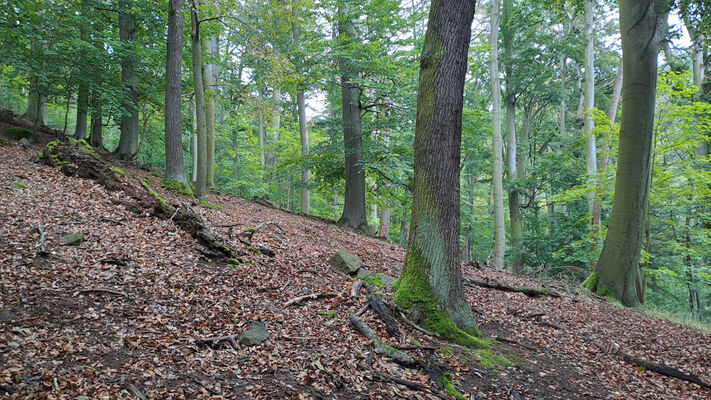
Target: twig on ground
311,296
355,289
287,337
217,339
43,249
409,384
104,290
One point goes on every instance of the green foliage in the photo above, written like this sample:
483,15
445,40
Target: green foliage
20,185
118,171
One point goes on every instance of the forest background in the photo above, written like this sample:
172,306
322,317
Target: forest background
272,77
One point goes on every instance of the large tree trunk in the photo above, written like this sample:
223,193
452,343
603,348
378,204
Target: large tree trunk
128,142
498,161
618,272
210,72
37,108
201,150
354,206
174,168
303,127
430,285
590,146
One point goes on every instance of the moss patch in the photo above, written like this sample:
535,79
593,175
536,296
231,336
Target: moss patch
492,360
445,381
177,187
82,145
413,291
118,171
20,185
211,205
51,145
154,194
373,280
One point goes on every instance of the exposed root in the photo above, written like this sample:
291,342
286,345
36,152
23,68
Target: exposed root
311,296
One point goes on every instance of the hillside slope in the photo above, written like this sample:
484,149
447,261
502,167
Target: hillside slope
79,323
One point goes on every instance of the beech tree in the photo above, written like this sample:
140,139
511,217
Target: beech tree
128,143
642,25
498,145
430,286
174,169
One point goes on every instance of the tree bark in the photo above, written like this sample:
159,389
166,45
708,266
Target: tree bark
37,108
510,124
260,118
498,173
404,232
303,127
618,272
354,205
430,286
210,72
128,142
97,106
201,179
590,146
174,168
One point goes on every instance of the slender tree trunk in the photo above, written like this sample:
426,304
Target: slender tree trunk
37,108
354,206
260,118
194,144
510,124
384,223
128,142
96,134
201,179
404,229
430,285
273,135
209,79
618,272
590,146
174,168
498,173
303,127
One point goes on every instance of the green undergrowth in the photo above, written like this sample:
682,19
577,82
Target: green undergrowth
82,145
20,185
211,205
373,280
414,292
118,171
492,361
177,187
445,381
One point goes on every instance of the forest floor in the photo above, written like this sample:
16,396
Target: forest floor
74,326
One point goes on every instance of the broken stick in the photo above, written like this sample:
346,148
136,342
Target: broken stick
380,346
527,290
311,296
215,340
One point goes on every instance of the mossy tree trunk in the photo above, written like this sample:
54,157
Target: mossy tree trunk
354,205
128,142
430,286
174,168
618,271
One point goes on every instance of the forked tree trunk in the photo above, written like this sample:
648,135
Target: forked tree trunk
430,285
174,168
618,271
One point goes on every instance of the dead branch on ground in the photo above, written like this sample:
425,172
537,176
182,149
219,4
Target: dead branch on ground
215,340
380,346
311,296
527,290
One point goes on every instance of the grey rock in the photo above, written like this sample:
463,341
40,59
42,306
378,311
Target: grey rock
13,345
25,141
254,335
73,239
7,316
345,262
387,279
362,273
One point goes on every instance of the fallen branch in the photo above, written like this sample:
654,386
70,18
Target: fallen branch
311,296
376,303
527,290
102,290
664,369
357,286
300,337
215,340
380,346
409,384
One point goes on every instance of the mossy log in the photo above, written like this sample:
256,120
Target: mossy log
380,346
529,291
77,158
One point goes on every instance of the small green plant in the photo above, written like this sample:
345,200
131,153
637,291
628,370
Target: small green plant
328,314
211,205
373,280
20,185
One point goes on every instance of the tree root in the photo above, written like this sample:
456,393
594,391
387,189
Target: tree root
404,382
380,346
528,291
377,304
215,340
311,296
102,290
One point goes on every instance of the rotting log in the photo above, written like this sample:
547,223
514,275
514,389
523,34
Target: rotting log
381,347
77,158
